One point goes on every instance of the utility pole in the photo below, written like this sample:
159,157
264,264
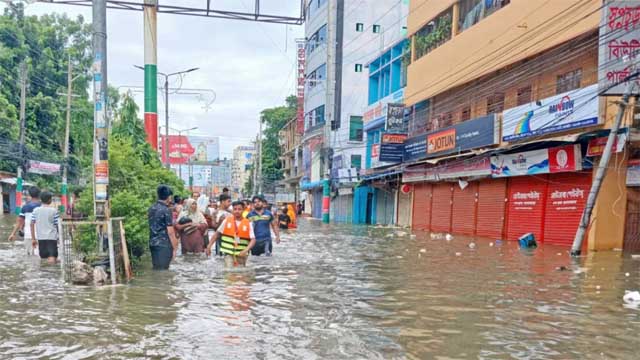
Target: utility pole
166,121
23,120
332,73
101,120
65,165
151,72
254,186
260,157
601,170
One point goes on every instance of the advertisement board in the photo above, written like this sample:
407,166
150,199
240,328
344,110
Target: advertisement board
619,45
300,44
596,146
553,160
570,110
391,148
471,134
633,172
395,119
183,149
43,168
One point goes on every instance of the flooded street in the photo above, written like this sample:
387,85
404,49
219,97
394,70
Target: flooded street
332,292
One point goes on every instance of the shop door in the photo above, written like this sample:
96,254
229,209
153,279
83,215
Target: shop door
317,204
463,218
404,208
385,202
441,207
525,212
491,208
566,197
421,217
632,224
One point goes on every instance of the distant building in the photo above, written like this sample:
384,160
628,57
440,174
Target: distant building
242,162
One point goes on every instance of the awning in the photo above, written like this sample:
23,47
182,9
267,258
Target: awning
374,124
380,175
13,181
311,185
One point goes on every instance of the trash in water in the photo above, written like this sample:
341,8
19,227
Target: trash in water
458,254
491,244
597,287
635,256
559,254
562,268
401,233
627,274
631,297
472,245
412,236
527,241
498,242
423,250
448,237
579,270
399,257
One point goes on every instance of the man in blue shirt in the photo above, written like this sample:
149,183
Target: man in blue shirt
263,222
23,221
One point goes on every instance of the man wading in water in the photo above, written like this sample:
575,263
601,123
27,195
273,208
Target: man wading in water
163,242
237,237
263,222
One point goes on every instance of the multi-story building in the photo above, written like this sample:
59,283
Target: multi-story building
506,119
242,163
342,36
291,157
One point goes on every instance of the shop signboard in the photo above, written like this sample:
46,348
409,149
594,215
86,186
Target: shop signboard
570,110
477,166
378,111
392,148
300,44
470,134
596,146
395,119
43,168
633,172
553,160
183,149
619,45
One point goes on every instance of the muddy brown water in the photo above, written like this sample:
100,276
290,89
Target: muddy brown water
332,292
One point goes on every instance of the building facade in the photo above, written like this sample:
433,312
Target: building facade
341,38
241,165
504,133
291,158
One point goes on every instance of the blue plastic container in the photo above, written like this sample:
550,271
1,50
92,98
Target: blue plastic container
527,241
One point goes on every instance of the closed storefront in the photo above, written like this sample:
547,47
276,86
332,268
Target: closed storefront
566,198
385,206
421,217
632,223
342,207
363,211
526,206
317,204
491,208
441,207
463,218
405,199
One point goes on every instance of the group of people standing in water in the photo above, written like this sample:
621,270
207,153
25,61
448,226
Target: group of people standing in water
232,229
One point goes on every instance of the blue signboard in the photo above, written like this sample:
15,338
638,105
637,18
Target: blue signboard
392,148
471,134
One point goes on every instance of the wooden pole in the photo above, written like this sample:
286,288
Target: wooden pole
125,253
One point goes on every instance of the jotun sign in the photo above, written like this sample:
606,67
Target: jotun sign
471,134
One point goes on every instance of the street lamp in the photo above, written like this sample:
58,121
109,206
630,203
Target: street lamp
179,134
166,105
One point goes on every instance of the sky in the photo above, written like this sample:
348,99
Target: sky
250,66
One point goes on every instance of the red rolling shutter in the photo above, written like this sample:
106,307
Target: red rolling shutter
421,218
491,208
566,199
463,218
441,208
527,195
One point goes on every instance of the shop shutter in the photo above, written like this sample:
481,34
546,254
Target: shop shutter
385,211
404,208
491,208
566,198
317,204
463,217
632,222
341,208
441,208
525,213
421,217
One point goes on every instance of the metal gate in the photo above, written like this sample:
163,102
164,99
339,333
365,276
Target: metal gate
404,208
385,206
317,204
632,223
441,207
421,218
342,209
527,195
491,208
463,218
566,198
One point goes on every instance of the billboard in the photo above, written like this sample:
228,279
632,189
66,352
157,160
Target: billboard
570,110
553,160
301,44
183,149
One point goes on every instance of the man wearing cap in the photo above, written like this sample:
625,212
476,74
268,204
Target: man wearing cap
263,222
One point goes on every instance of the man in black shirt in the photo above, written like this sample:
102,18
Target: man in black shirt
283,218
163,242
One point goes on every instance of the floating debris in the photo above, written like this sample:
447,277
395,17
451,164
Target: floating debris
412,237
472,245
491,244
627,274
458,254
423,250
448,237
631,297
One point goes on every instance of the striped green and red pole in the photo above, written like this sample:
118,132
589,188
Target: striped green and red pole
151,72
326,200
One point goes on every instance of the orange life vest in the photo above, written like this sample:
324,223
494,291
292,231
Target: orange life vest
228,244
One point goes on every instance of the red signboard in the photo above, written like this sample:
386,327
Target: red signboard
300,87
564,159
596,146
441,141
180,149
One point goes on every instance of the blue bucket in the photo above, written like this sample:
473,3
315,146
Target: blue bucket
527,241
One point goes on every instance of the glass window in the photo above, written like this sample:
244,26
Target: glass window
495,103
472,11
355,128
318,39
359,27
568,81
319,115
376,29
317,76
356,161
433,34
358,67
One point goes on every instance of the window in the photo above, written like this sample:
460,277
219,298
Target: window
314,118
317,76
568,81
495,103
355,128
376,29
419,123
388,72
524,95
358,67
404,31
433,34
359,27
472,11
318,39
445,120
466,113
356,161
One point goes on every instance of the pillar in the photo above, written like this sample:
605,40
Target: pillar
151,72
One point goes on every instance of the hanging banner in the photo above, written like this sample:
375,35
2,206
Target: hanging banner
102,172
570,110
300,44
596,146
619,45
467,135
554,160
395,119
478,166
43,168
392,148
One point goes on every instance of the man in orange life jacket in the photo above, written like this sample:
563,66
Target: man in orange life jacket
236,237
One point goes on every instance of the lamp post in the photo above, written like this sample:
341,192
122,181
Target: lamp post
166,107
179,135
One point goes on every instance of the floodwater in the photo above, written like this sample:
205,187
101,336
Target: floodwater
332,292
